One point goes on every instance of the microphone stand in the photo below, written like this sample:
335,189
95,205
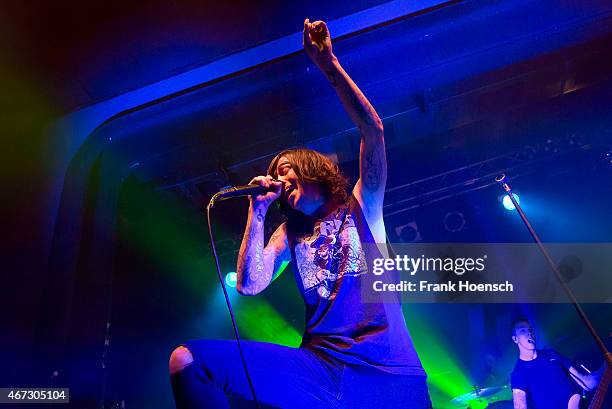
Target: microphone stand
211,204
502,180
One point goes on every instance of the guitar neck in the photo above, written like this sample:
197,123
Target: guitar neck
602,388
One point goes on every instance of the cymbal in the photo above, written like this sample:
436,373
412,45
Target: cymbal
489,394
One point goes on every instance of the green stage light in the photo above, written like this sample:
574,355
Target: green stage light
258,320
445,378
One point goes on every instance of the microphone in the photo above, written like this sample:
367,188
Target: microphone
245,190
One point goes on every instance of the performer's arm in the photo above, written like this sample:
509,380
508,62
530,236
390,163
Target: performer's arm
370,187
587,381
258,265
519,398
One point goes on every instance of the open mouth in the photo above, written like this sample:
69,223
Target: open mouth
289,190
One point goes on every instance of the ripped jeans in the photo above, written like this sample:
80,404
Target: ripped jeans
285,377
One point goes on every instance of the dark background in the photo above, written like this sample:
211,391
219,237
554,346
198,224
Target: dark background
108,227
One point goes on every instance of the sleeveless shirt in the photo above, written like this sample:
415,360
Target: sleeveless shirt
330,267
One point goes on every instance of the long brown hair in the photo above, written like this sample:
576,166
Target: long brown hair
312,166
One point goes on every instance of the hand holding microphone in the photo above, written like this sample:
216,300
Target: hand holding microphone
266,190
262,190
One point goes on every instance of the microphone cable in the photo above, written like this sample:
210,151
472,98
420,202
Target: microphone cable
227,301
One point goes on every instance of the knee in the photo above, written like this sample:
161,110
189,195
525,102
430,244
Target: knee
179,359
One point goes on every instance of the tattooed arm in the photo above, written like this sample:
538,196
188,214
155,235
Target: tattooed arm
370,187
258,265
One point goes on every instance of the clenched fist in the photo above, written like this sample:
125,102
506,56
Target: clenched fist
267,198
317,43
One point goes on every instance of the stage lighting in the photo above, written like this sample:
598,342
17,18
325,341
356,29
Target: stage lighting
454,221
408,233
230,279
507,202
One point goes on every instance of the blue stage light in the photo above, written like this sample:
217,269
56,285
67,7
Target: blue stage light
230,279
507,202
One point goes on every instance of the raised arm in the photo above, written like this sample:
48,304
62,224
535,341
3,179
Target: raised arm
258,265
370,187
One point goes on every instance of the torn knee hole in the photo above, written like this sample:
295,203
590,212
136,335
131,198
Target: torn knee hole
180,358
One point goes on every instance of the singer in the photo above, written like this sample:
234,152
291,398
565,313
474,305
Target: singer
544,379
353,354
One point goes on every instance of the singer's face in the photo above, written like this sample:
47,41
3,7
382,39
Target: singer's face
299,195
524,336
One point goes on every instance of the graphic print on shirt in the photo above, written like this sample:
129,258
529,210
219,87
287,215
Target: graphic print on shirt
323,262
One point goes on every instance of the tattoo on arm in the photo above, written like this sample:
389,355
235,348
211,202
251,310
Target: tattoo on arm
356,104
363,109
253,274
275,236
332,77
372,165
258,277
256,267
278,249
373,171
